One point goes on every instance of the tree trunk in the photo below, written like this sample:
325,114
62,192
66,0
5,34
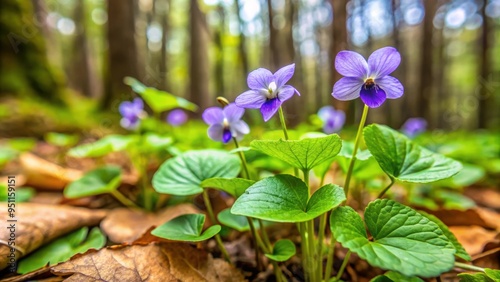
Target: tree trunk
199,65
26,70
243,56
122,51
485,94
219,62
165,27
79,68
339,43
425,86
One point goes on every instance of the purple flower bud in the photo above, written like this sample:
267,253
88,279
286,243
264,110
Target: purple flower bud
177,117
225,123
131,113
333,120
267,90
368,80
414,126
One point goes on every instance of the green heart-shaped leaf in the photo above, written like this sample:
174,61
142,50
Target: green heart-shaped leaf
489,275
183,174
62,249
284,198
403,240
393,276
365,167
404,160
186,227
158,100
61,139
98,181
303,154
282,250
236,222
154,142
233,186
460,251
102,147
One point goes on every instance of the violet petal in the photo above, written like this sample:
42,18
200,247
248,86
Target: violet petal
286,92
347,88
259,79
283,75
215,132
213,115
251,99
383,61
373,97
391,85
233,113
226,135
351,64
240,128
269,108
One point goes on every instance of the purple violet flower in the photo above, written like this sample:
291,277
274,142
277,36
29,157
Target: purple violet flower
333,120
177,117
370,80
267,90
414,126
131,112
225,123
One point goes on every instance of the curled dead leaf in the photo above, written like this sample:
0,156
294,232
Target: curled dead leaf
152,262
125,225
43,174
473,238
475,216
37,224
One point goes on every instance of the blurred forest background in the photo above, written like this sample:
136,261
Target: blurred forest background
69,53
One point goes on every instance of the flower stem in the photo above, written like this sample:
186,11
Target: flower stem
342,267
124,200
356,144
469,267
386,188
210,212
255,242
243,159
285,132
283,123
329,259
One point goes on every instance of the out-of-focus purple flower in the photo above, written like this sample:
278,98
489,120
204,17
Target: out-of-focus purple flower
371,79
414,126
131,112
177,117
225,123
333,120
267,90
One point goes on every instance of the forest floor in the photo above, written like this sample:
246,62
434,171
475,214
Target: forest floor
133,254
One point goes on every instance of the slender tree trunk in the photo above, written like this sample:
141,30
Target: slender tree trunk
122,51
425,86
198,65
243,56
485,94
165,27
273,38
219,62
398,109
80,66
339,43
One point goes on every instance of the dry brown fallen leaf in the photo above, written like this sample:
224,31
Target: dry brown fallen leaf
475,216
484,197
43,174
125,225
38,224
152,262
473,238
